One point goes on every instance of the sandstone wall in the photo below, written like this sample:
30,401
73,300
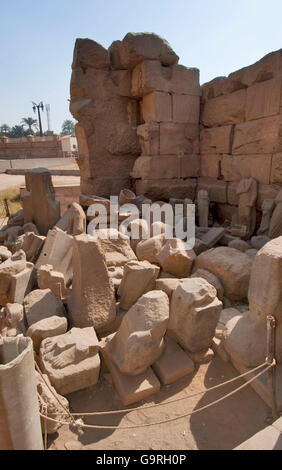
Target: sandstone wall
28,147
241,132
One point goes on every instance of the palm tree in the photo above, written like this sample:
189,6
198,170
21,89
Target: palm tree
68,127
30,122
5,129
17,131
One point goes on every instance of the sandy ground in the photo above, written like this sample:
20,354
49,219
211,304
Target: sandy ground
10,181
223,426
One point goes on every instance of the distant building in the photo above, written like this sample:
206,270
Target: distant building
69,145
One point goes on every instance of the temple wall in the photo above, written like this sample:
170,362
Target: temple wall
145,123
28,147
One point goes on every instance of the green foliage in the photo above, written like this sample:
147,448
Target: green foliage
68,127
30,123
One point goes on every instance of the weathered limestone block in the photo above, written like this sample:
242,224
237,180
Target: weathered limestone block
203,208
190,166
10,236
179,137
210,165
275,228
202,357
46,328
16,278
31,244
116,247
73,221
239,244
245,340
135,47
211,279
185,108
46,398
126,197
42,303
173,364
175,259
214,88
40,206
149,76
217,189
92,300
224,110
157,167
263,99
168,285
237,167
71,360
30,227
232,267
194,314
47,278
157,106
164,189
216,140
247,191
276,168
139,277
4,254
12,323
131,389
57,251
149,138
212,236
139,342
116,274
185,80
259,136
148,250
139,230
90,54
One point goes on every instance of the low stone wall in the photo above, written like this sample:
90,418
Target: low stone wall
241,131
30,147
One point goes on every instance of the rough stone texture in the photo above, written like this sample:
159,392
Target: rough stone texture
247,192
259,136
275,227
168,285
71,360
116,248
216,140
57,251
224,110
92,300
16,278
211,279
131,389
139,277
73,221
267,209
47,278
232,267
12,320
31,244
139,342
40,206
46,328
40,304
175,259
173,364
239,244
194,314
148,250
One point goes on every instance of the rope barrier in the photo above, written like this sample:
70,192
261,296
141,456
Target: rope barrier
98,426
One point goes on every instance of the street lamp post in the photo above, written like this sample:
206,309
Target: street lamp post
38,107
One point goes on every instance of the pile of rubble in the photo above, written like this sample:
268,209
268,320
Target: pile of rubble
149,308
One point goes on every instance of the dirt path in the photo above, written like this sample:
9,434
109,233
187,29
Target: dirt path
223,426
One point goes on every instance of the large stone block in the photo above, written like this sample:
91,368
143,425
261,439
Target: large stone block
157,167
190,166
185,108
263,99
237,167
71,360
216,140
136,47
217,189
139,277
92,301
185,80
267,191
276,168
175,259
259,136
40,304
194,314
231,266
224,110
88,53
157,106
164,189
149,138
149,76
210,165
139,342
178,138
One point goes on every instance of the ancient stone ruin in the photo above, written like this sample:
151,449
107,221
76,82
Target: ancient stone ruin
148,309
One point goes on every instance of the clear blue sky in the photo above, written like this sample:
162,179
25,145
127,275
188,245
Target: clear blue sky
37,39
